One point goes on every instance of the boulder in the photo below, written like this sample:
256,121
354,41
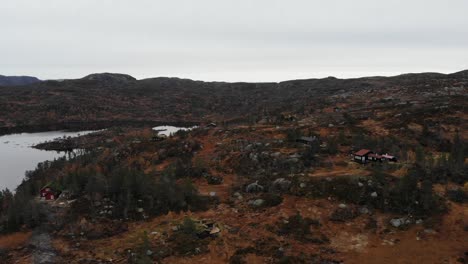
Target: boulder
364,210
276,154
257,202
281,184
254,187
215,230
238,195
397,222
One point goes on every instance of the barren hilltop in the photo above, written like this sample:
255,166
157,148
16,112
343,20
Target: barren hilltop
17,80
365,170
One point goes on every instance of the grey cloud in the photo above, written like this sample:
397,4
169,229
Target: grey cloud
232,40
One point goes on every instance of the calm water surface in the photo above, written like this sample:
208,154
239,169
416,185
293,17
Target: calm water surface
168,130
17,156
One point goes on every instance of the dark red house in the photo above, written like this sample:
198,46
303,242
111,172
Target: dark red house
49,193
362,156
366,155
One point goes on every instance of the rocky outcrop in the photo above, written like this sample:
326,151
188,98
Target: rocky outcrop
109,77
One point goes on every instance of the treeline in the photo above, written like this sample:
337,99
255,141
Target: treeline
133,194
130,192
110,178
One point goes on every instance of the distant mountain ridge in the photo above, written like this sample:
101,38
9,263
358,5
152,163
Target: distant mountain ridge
17,80
105,97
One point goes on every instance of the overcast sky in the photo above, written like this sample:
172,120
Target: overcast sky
232,40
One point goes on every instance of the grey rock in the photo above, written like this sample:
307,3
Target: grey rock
295,156
429,231
397,222
276,154
281,184
364,210
257,202
254,187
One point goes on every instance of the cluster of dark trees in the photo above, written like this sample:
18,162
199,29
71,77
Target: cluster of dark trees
95,178
445,167
412,194
133,192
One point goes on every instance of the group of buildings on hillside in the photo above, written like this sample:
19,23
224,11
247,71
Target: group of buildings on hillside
367,155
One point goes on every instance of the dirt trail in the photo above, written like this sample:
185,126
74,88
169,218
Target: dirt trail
43,252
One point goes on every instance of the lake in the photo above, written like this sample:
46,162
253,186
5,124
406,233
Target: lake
17,156
168,130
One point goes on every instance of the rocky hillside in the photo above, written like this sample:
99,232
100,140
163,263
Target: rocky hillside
245,194
121,98
273,181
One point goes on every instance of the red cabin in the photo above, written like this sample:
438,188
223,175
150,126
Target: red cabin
366,155
48,193
362,156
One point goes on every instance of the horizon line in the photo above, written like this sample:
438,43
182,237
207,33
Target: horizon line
300,76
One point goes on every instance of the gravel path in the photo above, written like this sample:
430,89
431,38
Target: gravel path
41,241
43,251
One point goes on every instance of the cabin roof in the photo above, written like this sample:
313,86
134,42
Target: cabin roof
375,155
52,185
363,152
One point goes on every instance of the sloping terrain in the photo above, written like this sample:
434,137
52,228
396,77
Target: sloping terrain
113,98
246,190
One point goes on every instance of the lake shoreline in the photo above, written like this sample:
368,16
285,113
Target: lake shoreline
75,126
22,152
